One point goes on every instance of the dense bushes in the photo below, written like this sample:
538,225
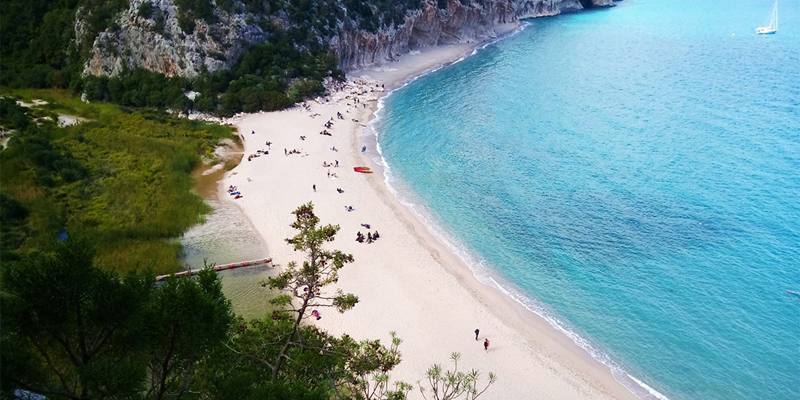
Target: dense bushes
138,88
97,336
39,50
120,178
379,13
191,10
74,331
12,226
35,46
269,76
39,44
13,116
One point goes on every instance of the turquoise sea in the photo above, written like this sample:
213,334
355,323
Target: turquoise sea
633,174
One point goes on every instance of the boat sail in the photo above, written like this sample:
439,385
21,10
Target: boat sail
773,22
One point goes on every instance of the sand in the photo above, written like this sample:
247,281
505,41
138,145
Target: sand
408,281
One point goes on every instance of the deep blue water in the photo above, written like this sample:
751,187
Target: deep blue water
636,171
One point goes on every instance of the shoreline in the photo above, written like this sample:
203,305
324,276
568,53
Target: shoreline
482,274
439,294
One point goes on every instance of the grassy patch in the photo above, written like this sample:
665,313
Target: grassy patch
122,179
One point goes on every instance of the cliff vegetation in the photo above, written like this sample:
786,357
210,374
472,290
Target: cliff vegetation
53,43
236,55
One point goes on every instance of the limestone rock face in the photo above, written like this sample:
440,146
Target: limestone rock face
154,40
603,3
157,43
428,26
462,21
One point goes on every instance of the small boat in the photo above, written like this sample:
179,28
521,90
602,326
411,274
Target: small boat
363,170
773,22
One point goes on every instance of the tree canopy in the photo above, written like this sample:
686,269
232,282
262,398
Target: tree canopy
75,331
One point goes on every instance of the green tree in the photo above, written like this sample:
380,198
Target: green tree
12,115
69,328
304,286
369,365
12,228
454,384
318,366
72,331
282,354
185,318
243,368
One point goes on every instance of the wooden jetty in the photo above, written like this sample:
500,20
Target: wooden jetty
218,268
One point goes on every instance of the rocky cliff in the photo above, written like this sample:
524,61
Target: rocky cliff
155,41
148,33
461,21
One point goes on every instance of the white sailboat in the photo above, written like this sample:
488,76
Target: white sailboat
773,22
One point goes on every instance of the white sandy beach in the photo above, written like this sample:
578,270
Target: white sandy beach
408,281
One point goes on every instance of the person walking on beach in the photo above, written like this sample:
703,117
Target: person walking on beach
486,344
314,187
477,332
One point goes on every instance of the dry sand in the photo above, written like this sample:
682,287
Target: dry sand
408,281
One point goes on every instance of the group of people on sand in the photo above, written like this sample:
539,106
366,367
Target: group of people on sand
234,191
334,85
258,153
356,102
329,125
371,237
355,99
325,164
290,152
364,82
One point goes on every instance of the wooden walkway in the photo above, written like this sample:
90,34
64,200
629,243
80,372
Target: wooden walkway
218,268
